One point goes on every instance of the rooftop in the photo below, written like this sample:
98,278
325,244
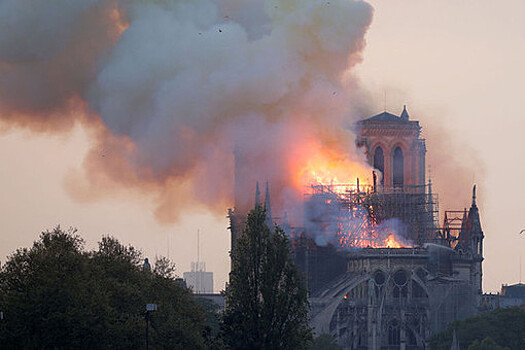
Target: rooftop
513,291
385,116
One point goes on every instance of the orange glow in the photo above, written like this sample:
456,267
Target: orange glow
312,163
391,242
329,172
121,24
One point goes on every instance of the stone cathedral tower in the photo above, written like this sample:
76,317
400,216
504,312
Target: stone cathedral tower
394,147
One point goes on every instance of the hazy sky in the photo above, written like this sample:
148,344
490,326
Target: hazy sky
457,65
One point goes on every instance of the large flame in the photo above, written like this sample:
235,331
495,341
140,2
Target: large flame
342,185
361,228
313,163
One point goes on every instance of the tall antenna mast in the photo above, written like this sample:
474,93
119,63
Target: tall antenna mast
521,232
198,246
385,99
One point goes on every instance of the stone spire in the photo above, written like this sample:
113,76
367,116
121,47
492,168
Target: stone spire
473,216
476,242
268,207
257,195
404,114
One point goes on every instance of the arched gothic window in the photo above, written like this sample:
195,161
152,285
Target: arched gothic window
399,170
394,337
379,163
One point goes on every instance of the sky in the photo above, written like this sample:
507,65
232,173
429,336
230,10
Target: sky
457,65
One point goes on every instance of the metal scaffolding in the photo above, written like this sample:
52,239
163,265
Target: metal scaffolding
415,207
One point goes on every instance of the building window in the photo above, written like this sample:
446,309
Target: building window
398,167
379,163
394,337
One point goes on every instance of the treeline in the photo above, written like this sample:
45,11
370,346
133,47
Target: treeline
57,295
497,330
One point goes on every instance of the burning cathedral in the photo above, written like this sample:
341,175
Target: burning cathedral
382,272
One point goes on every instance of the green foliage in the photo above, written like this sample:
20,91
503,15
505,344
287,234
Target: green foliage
486,344
324,342
504,327
55,295
267,305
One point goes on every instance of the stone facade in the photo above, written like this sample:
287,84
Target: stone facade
396,298
394,147
389,298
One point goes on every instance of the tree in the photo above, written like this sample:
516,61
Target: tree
325,342
486,344
504,328
56,295
266,300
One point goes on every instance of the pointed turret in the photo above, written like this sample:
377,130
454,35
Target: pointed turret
268,207
473,217
446,228
404,114
257,195
476,242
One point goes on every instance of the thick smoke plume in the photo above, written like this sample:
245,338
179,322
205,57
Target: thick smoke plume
169,90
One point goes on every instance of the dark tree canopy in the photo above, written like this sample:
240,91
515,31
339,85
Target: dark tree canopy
502,328
325,342
56,296
486,344
267,305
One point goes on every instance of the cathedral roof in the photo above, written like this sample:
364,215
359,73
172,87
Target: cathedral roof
385,116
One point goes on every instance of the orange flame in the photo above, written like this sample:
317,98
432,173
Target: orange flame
330,164
391,242
313,163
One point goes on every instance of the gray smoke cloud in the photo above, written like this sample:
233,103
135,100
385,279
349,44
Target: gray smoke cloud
48,52
169,89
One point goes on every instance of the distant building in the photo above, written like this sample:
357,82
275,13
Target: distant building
200,281
513,295
217,299
510,295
